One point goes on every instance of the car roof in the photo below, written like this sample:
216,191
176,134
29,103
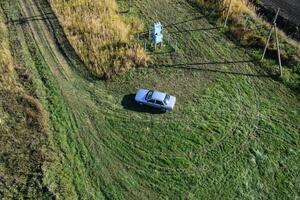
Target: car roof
158,95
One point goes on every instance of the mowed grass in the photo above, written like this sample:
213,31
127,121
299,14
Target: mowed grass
233,134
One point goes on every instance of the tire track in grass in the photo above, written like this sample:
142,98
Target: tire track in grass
256,114
118,155
197,48
137,167
238,120
232,154
56,62
142,170
78,114
237,125
43,44
238,150
249,135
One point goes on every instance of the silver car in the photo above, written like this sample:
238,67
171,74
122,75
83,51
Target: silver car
155,99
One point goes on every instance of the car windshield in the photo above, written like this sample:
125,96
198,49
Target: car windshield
149,95
167,99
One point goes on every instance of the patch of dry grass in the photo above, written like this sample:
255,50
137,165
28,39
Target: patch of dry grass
238,6
102,38
6,64
23,131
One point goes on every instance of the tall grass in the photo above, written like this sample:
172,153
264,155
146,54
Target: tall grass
6,63
100,36
238,6
23,131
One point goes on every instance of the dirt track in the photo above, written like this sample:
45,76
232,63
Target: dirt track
290,9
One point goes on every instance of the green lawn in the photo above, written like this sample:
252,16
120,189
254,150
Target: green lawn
233,134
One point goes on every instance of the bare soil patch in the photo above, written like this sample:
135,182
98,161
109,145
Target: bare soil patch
289,18
290,9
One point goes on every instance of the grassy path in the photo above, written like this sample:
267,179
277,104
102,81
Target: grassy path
232,135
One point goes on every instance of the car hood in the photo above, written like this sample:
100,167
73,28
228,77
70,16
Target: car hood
171,102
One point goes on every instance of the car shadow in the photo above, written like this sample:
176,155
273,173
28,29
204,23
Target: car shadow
129,103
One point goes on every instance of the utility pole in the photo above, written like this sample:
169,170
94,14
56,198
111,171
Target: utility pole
278,51
270,34
228,12
130,2
274,26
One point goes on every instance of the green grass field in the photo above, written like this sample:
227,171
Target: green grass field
234,132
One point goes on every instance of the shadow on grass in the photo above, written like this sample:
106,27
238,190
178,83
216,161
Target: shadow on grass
162,53
61,40
129,103
191,66
176,24
184,21
195,30
123,12
23,20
